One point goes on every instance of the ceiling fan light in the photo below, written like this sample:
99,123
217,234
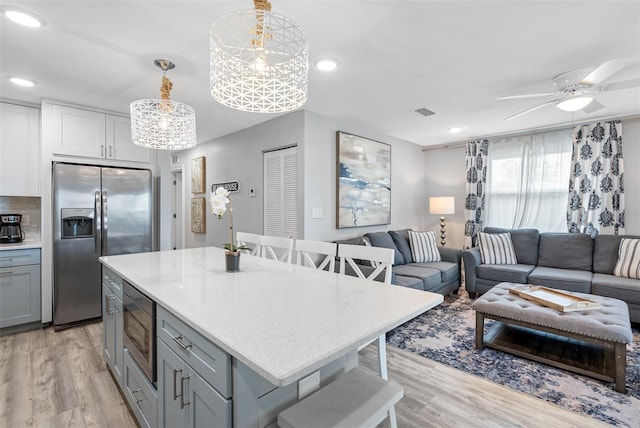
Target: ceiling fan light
574,103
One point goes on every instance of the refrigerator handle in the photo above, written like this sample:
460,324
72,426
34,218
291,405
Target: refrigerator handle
105,222
98,219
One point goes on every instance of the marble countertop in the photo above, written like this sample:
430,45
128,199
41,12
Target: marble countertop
281,320
24,245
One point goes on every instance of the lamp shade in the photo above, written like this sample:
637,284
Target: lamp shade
259,62
442,205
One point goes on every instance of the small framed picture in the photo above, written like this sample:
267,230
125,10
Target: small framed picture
198,174
198,215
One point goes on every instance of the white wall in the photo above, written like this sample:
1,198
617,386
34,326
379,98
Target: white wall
408,202
445,176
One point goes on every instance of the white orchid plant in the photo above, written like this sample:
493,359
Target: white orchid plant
218,201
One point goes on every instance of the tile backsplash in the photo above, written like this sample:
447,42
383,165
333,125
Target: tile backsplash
29,207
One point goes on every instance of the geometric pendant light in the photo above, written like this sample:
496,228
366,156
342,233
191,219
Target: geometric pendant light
163,124
259,61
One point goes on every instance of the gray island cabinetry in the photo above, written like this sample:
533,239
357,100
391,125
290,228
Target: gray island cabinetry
231,348
19,287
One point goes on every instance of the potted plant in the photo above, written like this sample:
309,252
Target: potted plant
218,201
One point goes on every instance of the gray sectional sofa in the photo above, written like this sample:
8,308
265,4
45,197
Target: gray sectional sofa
439,277
568,261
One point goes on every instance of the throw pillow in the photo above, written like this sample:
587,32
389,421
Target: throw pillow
628,265
423,247
496,249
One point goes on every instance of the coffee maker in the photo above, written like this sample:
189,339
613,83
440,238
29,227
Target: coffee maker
10,230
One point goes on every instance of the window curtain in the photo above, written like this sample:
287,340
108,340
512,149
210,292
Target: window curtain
596,186
476,165
526,182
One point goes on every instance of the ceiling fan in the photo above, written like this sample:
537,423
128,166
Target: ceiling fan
576,89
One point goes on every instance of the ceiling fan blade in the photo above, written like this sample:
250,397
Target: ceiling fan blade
592,107
625,84
605,70
515,97
533,109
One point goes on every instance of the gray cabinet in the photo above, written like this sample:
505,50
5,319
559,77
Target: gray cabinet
112,323
140,394
194,377
19,287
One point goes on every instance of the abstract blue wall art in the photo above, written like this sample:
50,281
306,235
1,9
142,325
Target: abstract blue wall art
363,188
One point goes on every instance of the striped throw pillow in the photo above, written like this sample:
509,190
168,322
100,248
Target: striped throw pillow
628,265
497,249
423,247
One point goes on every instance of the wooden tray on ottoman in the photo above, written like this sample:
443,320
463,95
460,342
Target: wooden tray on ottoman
552,298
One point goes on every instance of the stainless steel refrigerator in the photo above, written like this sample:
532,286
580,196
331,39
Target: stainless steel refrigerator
96,211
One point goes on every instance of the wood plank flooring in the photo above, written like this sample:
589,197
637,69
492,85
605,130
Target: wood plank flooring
50,379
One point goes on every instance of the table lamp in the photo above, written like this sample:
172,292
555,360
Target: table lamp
442,205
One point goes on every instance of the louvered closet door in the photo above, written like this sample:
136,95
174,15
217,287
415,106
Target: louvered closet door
280,192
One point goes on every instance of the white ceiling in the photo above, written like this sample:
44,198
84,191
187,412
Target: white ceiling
452,57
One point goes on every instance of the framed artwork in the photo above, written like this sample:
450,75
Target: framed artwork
363,183
198,215
198,174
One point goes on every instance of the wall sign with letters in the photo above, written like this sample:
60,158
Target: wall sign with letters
231,186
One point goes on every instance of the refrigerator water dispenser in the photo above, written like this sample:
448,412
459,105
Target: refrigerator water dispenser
77,222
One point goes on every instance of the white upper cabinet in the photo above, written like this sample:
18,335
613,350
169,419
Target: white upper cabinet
119,145
19,150
85,133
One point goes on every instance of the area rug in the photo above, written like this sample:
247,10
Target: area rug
446,334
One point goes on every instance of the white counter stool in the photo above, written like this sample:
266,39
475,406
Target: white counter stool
357,398
316,254
250,238
277,248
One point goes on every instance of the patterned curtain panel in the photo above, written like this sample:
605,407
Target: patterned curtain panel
596,187
476,161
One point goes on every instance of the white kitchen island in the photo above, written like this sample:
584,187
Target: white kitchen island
277,322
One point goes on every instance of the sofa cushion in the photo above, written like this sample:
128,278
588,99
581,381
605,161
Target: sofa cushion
401,239
429,277
424,247
566,251
508,273
409,282
496,249
525,243
564,279
626,289
448,271
384,240
628,265
605,252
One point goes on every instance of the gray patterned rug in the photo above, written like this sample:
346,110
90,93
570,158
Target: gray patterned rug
446,334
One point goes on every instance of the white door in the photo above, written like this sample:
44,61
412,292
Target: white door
280,192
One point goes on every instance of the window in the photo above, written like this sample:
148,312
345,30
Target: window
528,181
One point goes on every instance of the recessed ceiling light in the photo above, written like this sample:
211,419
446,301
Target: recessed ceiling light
326,64
23,18
22,82
455,129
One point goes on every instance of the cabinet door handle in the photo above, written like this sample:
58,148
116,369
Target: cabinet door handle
110,308
182,402
102,150
136,399
110,151
6,273
175,383
178,340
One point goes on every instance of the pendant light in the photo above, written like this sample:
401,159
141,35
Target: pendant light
163,124
259,61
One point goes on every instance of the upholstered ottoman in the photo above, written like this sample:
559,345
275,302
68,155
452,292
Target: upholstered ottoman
589,342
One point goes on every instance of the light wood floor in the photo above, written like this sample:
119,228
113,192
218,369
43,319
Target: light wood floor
50,379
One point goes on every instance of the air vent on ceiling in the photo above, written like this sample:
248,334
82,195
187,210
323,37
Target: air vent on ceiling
424,111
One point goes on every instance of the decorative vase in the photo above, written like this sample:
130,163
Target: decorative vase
232,261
